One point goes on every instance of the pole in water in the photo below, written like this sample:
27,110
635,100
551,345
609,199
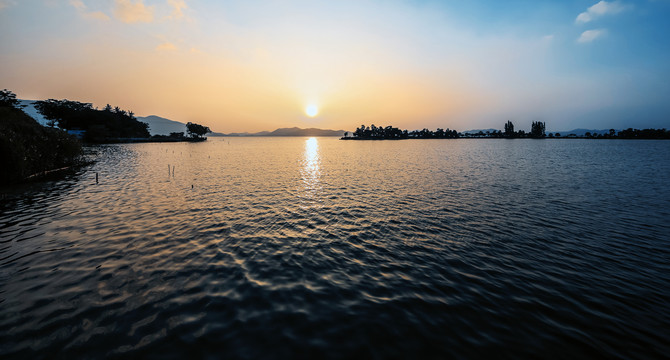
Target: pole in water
191,186
172,170
96,178
168,169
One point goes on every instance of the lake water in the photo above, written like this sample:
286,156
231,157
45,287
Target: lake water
318,248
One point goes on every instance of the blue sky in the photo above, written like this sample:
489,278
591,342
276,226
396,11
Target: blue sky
256,65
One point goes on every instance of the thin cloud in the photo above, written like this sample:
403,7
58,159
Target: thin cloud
78,4
83,11
98,15
166,46
178,7
131,12
590,35
600,9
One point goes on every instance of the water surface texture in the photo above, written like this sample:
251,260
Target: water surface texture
314,247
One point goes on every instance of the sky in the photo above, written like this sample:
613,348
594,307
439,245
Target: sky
258,65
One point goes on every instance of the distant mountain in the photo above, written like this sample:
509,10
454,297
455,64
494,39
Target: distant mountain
294,131
162,126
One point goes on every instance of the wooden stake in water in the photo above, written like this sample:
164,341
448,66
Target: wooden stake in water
96,178
172,170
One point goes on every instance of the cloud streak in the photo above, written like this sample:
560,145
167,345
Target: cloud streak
132,12
83,11
600,9
166,46
591,35
178,7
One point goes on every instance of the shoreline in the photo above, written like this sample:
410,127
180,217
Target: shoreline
502,138
144,140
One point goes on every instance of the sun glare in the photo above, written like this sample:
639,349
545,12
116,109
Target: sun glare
311,110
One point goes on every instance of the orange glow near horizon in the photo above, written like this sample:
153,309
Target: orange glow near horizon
339,80
230,96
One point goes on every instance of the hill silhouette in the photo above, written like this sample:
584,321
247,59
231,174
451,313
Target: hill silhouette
162,126
293,131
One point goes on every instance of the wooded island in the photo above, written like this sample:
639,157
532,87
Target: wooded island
537,131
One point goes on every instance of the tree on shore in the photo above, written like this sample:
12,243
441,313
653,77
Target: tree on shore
27,148
537,129
373,132
197,131
65,114
99,125
509,129
8,99
631,133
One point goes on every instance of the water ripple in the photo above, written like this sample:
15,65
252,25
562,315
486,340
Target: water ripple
304,248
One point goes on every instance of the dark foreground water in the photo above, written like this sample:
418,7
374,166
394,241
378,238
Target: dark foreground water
296,247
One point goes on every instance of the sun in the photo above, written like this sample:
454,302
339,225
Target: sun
311,110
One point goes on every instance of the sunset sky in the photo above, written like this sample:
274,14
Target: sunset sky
257,65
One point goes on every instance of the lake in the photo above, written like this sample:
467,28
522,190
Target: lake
319,248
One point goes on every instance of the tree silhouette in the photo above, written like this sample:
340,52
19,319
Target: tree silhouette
8,98
99,125
196,130
27,148
374,132
176,135
509,129
537,129
65,114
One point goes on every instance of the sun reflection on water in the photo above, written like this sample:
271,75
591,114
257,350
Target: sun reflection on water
311,169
